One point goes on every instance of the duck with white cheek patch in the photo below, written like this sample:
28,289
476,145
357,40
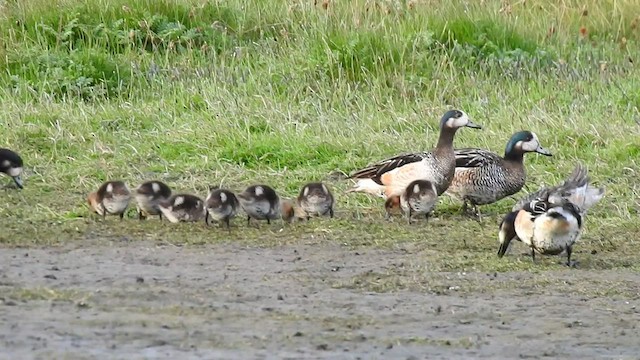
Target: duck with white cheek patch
111,198
183,208
11,164
550,221
389,178
484,177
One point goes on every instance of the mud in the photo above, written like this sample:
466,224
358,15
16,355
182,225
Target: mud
136,300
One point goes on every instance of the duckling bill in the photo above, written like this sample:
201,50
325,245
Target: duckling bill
111,198
149,195
221,205
11,164
315,199
183,208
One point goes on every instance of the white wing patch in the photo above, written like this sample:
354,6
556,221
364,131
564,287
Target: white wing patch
156,187
15,171
259,190
109,187
223,197
306,191
178,201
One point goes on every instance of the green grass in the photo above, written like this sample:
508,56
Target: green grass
285,92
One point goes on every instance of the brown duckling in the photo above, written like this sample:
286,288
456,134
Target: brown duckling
183,208
149,195
419,198
11,164
111,198
221,205
315,199
260,202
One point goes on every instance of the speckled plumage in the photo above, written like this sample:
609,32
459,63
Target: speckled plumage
550,221
391,177
483,177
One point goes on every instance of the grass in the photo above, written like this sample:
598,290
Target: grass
285,92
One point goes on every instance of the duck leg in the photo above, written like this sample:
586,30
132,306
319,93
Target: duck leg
409,216
226,221
533,255
121,216
206,218
331,213
569,264
248,220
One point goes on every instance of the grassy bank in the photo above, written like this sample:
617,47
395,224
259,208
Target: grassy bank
284,92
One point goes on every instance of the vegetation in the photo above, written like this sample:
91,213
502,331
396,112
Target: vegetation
235,92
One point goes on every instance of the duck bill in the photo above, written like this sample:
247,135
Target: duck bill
18,181
543,151
473,125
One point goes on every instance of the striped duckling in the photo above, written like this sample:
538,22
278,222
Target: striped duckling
550,221
221,205
11,164
111,198
260,202
315,199
484,177
419,198
149,195
183,208
390,177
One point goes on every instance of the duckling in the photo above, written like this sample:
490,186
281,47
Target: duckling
149,195
315,199
183,208
391,177
221,205
11,164
111,198
391,204
260,202
419,198
289,211
552,220
483,177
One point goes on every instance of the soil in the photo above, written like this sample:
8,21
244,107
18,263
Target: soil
135,300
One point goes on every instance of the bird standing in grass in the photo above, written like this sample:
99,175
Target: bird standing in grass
221,205
183,208
550,221
419,198
260,202
390,177
315,199
11,164
149,195
111,198
484,177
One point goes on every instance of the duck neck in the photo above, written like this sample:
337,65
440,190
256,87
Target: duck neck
514,156
445,141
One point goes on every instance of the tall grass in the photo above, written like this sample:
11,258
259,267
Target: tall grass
235,92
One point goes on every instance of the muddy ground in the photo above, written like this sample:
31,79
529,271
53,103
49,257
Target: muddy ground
134,300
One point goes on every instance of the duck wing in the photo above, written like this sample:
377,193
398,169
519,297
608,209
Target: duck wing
376,170
472,158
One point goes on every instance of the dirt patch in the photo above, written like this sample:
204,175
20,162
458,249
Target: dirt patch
316,300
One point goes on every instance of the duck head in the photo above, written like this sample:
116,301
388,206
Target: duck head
11,164
523,142
455,119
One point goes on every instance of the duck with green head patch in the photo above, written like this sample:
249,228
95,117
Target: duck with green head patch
484,177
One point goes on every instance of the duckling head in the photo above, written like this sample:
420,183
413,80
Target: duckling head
11,164
92,200
523,142
455,119
507,232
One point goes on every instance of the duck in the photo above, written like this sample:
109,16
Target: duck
483,177
11,164
551,220
220,205
111,198
290,212
315,199
260,202
149,195
419,198
390,177
183,207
